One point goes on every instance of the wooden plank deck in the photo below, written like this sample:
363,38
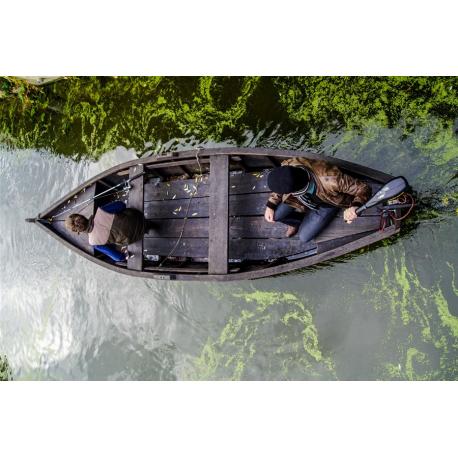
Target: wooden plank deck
249,204
239,183
258,238
239,205
167,202
239,249
218,210
257,227
135,200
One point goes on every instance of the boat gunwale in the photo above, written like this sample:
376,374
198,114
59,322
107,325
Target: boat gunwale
169,159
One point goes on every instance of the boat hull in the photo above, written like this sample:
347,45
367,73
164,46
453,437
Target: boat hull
207,210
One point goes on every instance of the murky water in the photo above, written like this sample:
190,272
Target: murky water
390,312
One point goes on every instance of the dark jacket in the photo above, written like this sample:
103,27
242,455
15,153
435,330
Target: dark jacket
333,186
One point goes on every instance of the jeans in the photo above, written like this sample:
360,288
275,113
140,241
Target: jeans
310,223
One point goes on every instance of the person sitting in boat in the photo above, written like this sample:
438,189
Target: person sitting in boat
307,194
113,224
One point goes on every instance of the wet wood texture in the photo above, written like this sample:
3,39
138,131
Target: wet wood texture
249,236
258,227
135,200
239,249
218,224
166,204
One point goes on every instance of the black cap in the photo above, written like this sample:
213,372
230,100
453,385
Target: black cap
287,179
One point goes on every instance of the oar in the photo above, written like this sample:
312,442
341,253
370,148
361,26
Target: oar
389,190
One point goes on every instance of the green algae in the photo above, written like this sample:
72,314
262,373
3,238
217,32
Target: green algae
87,116
421,331
291,352
91,115
452,270
6,372
431,150
419,339
414,355
448,320
401,125
266,299
330,103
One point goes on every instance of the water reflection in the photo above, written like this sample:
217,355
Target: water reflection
388,312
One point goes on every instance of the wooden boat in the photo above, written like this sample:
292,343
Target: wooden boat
206,207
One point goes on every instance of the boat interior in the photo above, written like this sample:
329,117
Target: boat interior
187,216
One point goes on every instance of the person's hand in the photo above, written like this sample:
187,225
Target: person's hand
350,214
269,215
125,252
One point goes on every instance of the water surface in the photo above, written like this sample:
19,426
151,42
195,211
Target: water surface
389,312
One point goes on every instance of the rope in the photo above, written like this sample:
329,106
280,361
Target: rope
389,216
412,201
88,201
186,214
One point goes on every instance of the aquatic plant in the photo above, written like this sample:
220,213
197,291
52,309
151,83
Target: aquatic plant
289,351
409,124
5,369
421,339
330,103
86,116
16,89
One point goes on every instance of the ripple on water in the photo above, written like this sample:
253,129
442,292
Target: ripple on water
62,317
